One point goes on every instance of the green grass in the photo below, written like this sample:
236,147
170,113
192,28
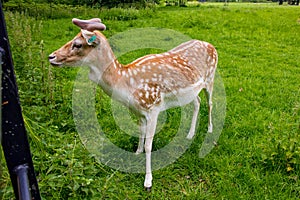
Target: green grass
258,153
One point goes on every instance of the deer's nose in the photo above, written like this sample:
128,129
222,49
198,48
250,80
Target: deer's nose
51,57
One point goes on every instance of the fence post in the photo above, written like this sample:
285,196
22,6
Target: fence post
14,138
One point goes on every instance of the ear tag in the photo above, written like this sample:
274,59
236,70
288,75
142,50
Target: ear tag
92,39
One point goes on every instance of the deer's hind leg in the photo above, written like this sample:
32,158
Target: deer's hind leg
208,93
196,102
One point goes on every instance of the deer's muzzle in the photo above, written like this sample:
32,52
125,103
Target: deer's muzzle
53,60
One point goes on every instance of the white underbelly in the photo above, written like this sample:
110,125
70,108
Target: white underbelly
180,97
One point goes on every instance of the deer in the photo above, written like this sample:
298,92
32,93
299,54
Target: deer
148,85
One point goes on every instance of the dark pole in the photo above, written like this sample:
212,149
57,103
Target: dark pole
14,138
23,182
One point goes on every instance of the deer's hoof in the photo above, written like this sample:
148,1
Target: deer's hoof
148,189
138,152
210,129
190,136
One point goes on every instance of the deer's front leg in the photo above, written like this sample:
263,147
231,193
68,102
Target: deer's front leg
151,126
143,124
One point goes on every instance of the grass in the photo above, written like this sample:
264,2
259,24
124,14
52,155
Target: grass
258,153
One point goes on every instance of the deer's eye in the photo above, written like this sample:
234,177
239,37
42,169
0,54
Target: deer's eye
76,45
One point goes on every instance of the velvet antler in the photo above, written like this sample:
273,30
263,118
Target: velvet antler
89,25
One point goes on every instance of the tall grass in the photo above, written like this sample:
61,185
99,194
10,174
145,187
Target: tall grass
258,153
57,11
32,71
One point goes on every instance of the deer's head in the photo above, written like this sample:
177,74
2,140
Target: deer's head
78,51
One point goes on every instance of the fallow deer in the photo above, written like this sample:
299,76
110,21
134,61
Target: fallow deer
148,85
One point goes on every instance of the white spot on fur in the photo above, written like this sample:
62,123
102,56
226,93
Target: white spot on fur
132,81
160,77
147,95
153,94
130,73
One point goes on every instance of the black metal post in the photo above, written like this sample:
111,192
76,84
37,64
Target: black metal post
23,182
14,138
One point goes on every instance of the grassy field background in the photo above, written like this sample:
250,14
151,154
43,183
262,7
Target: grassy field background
258,153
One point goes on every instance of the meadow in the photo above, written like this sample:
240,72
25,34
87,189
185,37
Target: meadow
258,153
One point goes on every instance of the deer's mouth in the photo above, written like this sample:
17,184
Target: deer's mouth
53,62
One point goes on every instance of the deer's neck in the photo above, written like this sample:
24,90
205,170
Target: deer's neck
105,70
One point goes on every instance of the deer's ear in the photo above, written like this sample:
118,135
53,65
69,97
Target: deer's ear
90,37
